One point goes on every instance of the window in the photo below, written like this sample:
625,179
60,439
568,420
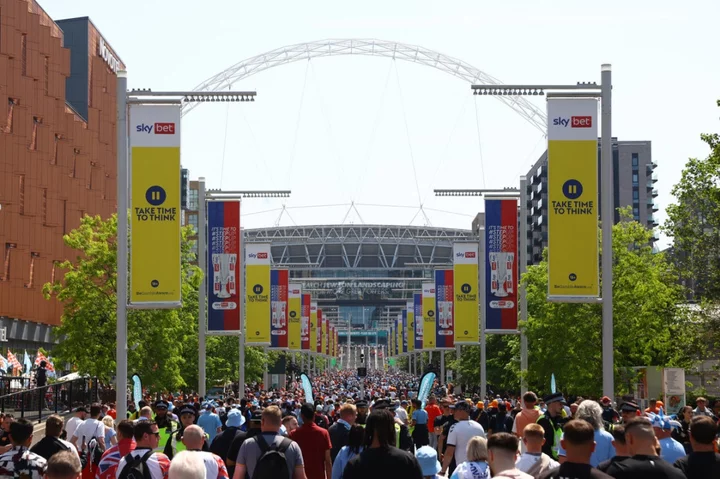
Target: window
636,211
44,205
635,159
23,54
76,152
635,179
11,107
193,200
29,284
33,139
6,266
636,195
56,147
21,195
55,265
193,220
46,75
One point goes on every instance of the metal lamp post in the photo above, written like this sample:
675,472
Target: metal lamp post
604,92
125,98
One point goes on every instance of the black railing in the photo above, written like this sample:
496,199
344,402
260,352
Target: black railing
51,399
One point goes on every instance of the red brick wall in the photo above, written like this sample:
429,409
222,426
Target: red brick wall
54,166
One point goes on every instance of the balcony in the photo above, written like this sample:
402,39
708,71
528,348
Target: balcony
651,205
654,193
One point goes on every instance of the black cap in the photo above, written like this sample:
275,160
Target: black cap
256,416
629,406
362,403
187,409
81,409
161,404
381,404
555,397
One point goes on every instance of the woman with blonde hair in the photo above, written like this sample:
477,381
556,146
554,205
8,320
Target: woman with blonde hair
110,434
476,466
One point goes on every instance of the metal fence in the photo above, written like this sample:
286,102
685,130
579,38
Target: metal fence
54,398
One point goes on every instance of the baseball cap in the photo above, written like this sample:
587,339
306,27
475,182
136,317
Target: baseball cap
256,416
605,400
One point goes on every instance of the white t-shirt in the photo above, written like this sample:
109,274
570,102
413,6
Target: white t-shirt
71,425
459,436
401,414
87,430
526,461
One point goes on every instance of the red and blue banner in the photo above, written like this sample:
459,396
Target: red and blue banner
501,265
279,308
305,323
419,326
444,307
223,259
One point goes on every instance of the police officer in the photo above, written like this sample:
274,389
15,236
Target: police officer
188,417
628,411
552,422
165,424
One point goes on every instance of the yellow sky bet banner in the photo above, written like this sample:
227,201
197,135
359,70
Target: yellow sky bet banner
313,326
324,337
294,315
573,268
410,306
155,207
257,293
428,306
465,288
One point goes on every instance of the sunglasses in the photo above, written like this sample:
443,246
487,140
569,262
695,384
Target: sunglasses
156,434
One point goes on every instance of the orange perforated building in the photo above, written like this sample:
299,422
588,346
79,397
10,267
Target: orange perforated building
57,156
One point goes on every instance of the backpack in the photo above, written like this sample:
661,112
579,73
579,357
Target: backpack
272,463
136,467
92,454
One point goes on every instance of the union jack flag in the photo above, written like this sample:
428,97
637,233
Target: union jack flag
111,458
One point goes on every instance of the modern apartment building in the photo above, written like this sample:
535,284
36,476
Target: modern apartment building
633,185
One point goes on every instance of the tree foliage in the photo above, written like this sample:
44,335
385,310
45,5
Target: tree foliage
694,222
565,339
162,344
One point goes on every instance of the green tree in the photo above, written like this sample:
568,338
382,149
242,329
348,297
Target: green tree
694,222
88,324
649,326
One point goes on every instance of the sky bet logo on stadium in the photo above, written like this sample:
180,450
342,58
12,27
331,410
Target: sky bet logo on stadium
574,122
157,128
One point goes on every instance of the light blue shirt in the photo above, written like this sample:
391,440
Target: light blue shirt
420,416
209,422
604,449
109,433
671,450
341,461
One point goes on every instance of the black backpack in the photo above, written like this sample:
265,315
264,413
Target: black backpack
272,463
136,467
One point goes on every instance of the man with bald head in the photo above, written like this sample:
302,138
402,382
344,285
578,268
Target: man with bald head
194,438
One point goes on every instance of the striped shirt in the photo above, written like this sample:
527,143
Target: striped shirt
111,458
158,464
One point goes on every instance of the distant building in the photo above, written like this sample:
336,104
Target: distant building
633,185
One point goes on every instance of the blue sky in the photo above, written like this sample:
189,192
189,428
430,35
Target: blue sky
382,132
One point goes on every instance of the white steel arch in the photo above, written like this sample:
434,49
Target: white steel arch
368,47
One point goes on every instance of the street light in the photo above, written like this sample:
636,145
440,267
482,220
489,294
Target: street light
604,92
125,98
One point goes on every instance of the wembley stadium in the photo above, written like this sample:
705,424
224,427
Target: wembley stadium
361,274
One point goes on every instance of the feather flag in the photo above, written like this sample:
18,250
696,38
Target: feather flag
553,389
27,364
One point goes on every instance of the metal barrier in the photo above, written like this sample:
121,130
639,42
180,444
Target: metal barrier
51,399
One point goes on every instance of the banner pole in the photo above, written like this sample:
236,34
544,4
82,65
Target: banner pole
523,244
121,376
607,217
442,366
202,294
483,315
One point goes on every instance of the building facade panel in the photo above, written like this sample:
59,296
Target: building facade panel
56,165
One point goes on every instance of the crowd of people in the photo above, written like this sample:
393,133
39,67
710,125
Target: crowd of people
373,427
